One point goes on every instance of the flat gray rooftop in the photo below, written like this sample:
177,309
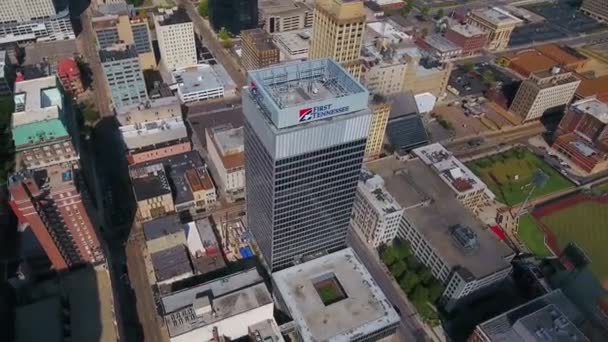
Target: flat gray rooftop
295,84
430,205
364,309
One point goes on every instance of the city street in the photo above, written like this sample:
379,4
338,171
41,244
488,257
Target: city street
410,329
86,45
216,48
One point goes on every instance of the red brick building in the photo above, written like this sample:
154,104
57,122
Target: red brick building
470,38
582,135
50,203
68,72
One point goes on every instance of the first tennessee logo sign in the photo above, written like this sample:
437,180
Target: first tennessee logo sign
311,113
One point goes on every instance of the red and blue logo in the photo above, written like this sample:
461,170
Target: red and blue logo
305,114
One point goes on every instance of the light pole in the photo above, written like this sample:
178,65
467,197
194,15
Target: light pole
539,179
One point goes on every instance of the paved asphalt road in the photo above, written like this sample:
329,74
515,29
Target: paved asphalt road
409,329
88,48
217,50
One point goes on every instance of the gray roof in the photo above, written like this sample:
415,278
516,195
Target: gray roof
172,262
432,208
542,312
184,298
151,185
173,17
163,226
153,133
230,304
113,54
363,309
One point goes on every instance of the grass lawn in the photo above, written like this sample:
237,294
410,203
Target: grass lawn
603,188
531,235
329,293
509,174
585,224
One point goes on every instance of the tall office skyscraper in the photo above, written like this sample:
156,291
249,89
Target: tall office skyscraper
306,127
338,32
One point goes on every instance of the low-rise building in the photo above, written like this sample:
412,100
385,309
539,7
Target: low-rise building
284,15
426,75
259,50
470,38
564,56
543,91
152,192
191,187
582,135
293,44
551,317
376,214
54,28
302,291
227,153
441,48
595,8
467,187
201,82
497,23
227,306
444,235
596,87
528,62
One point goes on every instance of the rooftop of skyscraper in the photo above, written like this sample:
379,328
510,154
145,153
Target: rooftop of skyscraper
260,38
172,16
117,52
296,84
496,16
334,298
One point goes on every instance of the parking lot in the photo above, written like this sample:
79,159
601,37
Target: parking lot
562,20
478,81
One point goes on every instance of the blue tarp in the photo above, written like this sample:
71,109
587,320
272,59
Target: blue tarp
246,252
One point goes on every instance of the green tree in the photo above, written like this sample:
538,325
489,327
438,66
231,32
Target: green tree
425,10
420,295
488,77
440,13
468,66
89,114
389,256
424,32
224,36
409,282
398,269
403,249
435,291
407,9
425,275
203,8
412,263
7,160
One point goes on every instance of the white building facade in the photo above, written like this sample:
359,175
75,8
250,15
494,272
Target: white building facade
376,214
25,10
226,151
175,34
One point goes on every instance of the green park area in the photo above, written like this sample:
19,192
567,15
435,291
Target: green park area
583,223
509,175
415,279
532,236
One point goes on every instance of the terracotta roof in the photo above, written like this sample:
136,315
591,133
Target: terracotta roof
198,182
67,66
589,87
531,61
562,55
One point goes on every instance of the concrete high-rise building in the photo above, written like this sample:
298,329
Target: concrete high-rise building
259,50
175,34
543,91
121,28
376,214
306,127
381,110
285,15
50,202
497,23
597,9
233,15
126,81
19,11
338,33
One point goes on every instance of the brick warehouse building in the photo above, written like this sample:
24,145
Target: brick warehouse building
470,38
